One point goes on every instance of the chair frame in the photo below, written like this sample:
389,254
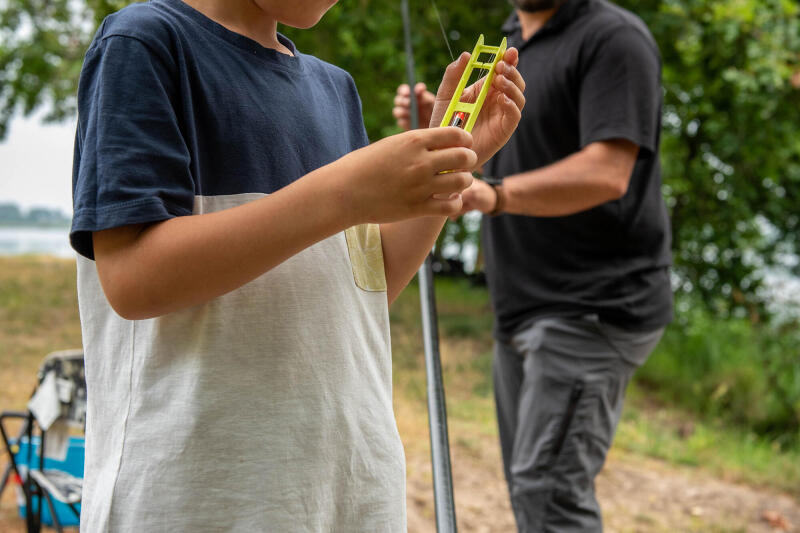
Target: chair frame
31,488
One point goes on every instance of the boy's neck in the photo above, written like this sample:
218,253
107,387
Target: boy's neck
245,18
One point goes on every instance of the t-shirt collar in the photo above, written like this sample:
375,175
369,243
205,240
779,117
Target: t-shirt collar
239,40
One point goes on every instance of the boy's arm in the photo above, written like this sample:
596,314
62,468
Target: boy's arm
406,243
151,270
405,246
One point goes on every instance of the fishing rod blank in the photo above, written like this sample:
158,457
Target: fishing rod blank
437,411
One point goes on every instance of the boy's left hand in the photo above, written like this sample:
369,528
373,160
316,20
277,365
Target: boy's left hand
501,109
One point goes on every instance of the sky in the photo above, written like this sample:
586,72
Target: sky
36,164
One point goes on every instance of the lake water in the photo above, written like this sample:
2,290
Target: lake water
44,241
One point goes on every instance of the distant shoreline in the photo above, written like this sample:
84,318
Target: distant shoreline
23,224
42,238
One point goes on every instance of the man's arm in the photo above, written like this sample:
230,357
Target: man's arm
597,174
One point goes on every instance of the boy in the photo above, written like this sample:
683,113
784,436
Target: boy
237,360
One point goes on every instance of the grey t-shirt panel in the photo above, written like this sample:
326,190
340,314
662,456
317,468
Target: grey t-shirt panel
271,405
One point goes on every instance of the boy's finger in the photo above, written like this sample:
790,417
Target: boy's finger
443,206
511,73
437,138
509,89
456,158
511,109
451,182
400,112
511,56
403,90
471,92
451,77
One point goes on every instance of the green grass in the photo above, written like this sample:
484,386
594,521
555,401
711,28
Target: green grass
730,370
679,437
38,315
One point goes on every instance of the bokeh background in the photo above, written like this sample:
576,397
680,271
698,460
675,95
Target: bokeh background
710,440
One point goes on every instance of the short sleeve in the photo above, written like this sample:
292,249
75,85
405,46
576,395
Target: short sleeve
620,92
132,165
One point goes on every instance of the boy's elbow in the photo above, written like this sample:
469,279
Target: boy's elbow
125,286
129,311
125,299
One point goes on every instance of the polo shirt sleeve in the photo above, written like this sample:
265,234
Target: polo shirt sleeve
620,91
132,165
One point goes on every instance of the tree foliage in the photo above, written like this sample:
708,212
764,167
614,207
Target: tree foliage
731,151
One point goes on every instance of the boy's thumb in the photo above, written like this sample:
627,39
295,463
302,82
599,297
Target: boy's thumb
451,77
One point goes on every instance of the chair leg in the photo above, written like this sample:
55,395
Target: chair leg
33,517
75,511
6,476
49,500
34,524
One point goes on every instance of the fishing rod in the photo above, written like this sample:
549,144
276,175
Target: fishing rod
461,114
437,412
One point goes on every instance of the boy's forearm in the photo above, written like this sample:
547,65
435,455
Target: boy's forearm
405,246
171,265
153,270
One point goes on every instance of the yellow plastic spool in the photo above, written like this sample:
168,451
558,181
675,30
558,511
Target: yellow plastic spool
473,109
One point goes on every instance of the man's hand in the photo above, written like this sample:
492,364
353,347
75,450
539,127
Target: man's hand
402,106
479,196
501,110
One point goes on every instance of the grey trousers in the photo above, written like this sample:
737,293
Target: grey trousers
559,389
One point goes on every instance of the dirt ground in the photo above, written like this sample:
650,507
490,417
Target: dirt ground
637,495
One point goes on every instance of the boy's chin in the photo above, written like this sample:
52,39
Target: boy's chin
304,14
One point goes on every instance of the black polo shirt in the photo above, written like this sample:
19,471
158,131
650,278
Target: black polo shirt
593,73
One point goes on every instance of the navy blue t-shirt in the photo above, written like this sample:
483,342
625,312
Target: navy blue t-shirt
173,106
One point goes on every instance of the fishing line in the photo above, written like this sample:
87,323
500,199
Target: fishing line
483,72
444,33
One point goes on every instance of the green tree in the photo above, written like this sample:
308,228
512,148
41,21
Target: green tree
731,152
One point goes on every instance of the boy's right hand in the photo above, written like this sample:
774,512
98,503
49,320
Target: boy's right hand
399,177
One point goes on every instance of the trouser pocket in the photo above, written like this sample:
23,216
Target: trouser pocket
566,421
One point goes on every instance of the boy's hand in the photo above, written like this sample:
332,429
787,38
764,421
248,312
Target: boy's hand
399,177
501,109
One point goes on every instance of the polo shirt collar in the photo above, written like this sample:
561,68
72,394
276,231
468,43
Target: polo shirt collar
565,14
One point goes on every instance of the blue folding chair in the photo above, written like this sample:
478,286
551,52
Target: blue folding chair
59,401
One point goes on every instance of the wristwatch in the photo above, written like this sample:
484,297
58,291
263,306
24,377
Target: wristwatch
496,183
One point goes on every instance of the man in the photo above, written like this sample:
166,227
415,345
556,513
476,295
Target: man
576,240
